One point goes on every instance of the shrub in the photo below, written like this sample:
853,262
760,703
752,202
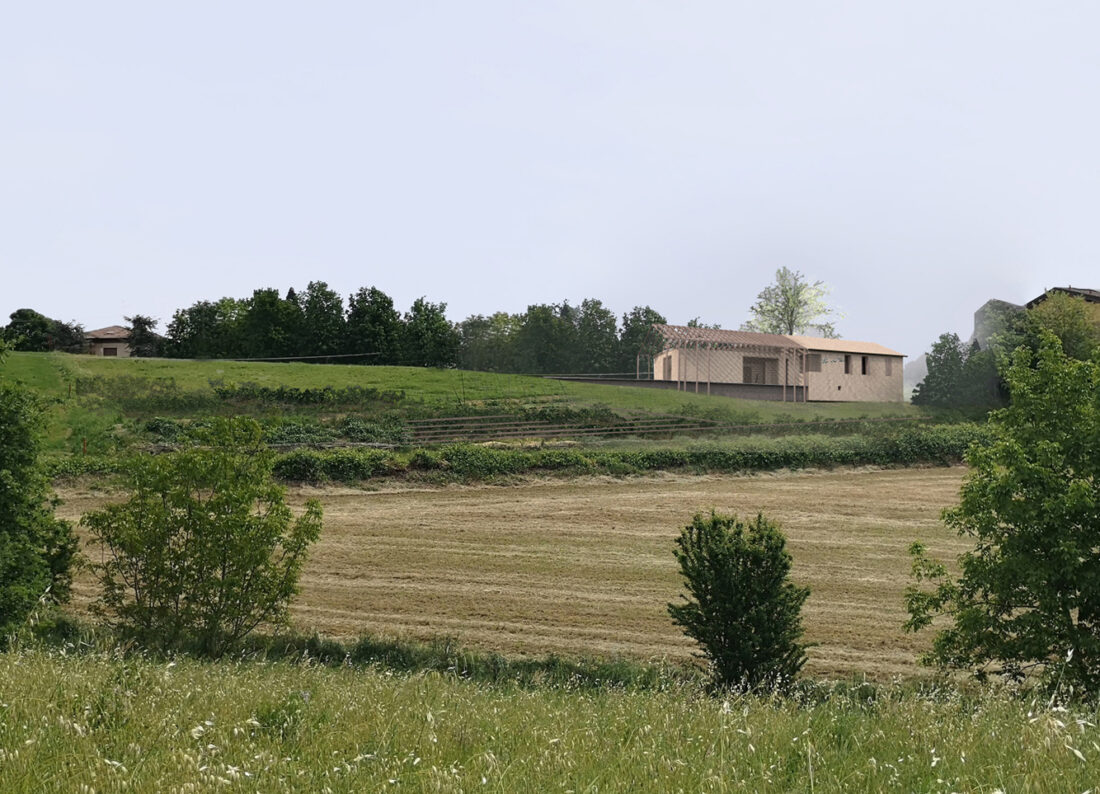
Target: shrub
205,549
741,606
36,549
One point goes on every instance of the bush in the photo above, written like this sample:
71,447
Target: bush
741,606
36,549
205,549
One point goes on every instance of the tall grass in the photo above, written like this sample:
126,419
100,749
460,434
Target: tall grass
109,723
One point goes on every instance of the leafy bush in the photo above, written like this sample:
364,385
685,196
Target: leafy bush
360,396
205,549
741,606
36,549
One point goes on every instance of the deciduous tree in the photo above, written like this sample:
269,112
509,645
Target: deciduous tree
1028,595
792,305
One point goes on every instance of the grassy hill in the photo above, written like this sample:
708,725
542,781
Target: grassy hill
107,401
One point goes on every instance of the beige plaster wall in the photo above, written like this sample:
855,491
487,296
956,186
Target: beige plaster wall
721,366
832,385
96,348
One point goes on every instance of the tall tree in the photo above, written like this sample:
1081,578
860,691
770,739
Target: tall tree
1028,595
323,331
792,305
636,336
373,326
1075,323
429,339
943,385
546,340
597,338
488,343
266,331
144,341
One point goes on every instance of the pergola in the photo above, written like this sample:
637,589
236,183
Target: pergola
706,341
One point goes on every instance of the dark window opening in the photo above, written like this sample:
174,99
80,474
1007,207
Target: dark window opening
813,362
110,351
889,367
863,365
847,364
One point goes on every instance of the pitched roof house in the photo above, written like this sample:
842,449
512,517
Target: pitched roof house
775,366
114,340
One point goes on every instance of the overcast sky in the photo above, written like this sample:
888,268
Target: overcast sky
919,158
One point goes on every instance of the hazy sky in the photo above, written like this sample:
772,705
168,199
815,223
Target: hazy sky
920,158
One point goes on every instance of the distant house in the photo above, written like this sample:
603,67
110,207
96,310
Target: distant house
776,367
1090,295
114,340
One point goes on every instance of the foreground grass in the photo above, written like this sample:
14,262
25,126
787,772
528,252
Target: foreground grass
105,723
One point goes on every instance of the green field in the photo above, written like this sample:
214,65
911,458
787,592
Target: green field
82,723
109,401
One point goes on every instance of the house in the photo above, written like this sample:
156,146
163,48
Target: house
114,340
775,366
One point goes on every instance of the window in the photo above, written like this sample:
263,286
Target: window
813,362
863,365
847,364
760,370
889,367
110,351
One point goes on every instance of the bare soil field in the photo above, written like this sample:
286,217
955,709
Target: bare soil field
585,567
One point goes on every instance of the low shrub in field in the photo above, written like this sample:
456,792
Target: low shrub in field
741,606
134,393
340,465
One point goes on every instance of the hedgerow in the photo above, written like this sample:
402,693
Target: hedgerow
930,444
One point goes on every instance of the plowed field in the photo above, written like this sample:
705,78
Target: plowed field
586,567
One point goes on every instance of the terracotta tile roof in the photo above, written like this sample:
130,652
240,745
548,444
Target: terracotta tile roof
843,346
686,334
110,332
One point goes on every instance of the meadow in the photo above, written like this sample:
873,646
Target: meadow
585,567
99,722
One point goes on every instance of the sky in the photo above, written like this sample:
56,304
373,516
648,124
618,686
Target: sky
918,158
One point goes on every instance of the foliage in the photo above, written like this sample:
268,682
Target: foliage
323,328
636,337
959,377
205,549
30,331
373,326
741,606
428,339
1075,322
1028,595
37,550
792,306
143,342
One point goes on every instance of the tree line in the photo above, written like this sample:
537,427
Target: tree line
316,323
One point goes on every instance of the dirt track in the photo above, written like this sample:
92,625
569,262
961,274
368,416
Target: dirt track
586,566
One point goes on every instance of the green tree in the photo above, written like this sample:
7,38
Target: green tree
323,330
741,606
30,331
943,385
488,343
1075,322
373,326
36,549
597,338
205,549
144,342
792,305
636,337
546,339
1028,594
428,337
207,330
